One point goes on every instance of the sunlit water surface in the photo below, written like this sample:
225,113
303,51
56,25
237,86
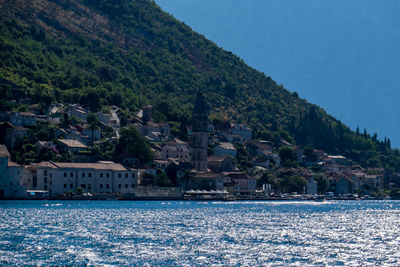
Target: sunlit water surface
199,233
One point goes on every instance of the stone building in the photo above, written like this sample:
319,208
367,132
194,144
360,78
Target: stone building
199,135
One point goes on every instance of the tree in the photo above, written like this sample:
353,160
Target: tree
92,120
148,179
132,142
322,183
266,178
162,180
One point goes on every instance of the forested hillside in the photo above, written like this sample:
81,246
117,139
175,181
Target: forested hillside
130,53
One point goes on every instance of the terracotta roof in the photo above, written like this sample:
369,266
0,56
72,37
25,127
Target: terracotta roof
207,175
235,175
72,143
45,164
216,158
13,164
4,151
102,165
226,145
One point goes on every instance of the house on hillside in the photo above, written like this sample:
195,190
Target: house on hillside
17,118
72,145
234,132
219,164
225,148
258,147
176,148
12,135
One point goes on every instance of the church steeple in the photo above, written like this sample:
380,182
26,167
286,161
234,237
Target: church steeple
199,134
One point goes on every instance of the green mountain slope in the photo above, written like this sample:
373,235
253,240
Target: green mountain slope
128,53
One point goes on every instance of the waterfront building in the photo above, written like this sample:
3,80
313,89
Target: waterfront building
11,183
96,178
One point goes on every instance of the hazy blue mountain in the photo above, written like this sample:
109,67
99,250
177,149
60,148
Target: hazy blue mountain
342,55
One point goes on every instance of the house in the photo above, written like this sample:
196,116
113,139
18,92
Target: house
177,149
86,133
17,118
11,180
225,148
340,184
77,111
239,183
12,135
69,132
219,164
338,159
110,119
156,131
230,130
371,182
56,112
96,178
258,147
207,181
46,145
72,145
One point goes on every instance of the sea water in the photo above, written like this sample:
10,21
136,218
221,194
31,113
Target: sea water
174,233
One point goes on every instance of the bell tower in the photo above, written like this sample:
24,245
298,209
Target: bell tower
199,136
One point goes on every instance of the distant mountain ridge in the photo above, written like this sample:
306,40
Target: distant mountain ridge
130,53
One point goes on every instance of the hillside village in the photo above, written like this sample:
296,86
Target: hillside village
73,153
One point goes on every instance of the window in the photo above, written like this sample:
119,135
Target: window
89,186
90,174
108,175
71,186
133,175
83,185
83,174
126,175
71,175
65,185
65,174
107,186
119,175
45,180
101,186
119,186
126,185
133,185
45,187
101,175
45,172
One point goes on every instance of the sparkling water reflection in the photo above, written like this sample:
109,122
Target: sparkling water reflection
199,233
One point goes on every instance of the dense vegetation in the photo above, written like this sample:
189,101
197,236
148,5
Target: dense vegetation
129,53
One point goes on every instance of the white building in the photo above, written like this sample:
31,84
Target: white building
176,149
11,183
96,178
